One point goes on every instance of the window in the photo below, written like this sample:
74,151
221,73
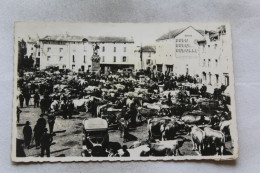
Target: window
32,48
103,49
216,62
48,58
149,54
61,49
216,78
208,62
73,67
114,49
204,62
73,58
114,59
38,53
215,46
84,59
48,49
103,58
208,45
61,58
124,58
124,49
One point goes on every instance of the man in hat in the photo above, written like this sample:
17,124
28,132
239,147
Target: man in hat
21,99
36,100
27,133
18,112
38,130
46,141
51,121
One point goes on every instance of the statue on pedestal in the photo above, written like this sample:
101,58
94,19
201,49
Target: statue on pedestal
95,58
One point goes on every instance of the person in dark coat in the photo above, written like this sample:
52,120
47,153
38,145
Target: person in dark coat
21,99
27,97
42,105
51,122
126,153
46,140
36,99
27,133
70,108
39,129
133,113
64,109
18,112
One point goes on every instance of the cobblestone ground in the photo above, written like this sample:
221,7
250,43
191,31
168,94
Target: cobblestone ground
68,139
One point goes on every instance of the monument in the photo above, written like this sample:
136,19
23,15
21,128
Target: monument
95,59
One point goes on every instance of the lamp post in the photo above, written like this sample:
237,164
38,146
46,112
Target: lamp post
141,55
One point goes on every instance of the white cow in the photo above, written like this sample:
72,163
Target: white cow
197,138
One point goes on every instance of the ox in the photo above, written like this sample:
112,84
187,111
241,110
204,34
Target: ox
225,128
195,119
197,138
170,129
55,106
143,150
216,138
167,148
155,129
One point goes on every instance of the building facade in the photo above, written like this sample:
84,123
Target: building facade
75,52
215,57
178,51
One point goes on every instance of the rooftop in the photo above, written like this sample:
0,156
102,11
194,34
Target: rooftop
176,32
149,49
100,39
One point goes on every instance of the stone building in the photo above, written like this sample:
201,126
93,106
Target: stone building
75,52
177,51
215,57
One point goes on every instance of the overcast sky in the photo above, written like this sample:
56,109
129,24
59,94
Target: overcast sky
142,33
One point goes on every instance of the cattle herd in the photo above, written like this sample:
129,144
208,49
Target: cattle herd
175,109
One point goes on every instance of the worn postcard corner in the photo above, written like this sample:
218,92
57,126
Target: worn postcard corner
123,92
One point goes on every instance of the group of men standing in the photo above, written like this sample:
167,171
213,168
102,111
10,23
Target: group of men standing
43,140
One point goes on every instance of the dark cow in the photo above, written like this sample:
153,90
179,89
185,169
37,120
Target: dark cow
214,139
155,125
170,129
167,148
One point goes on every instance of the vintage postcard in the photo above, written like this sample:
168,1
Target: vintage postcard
123,92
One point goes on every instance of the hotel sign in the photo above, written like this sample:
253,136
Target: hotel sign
186,46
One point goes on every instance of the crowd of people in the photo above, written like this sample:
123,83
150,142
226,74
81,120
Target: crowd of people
64,93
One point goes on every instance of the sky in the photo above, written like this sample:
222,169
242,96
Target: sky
142,33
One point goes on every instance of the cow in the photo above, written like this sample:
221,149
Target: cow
142,150
224,127
195,119
216,138
54,107
167,148
197,138
155,129
169,130
123,127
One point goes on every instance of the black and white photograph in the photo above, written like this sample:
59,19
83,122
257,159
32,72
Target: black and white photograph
123,92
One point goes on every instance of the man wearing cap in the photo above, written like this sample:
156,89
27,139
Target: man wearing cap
27,133
46,141
38,130
51,121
